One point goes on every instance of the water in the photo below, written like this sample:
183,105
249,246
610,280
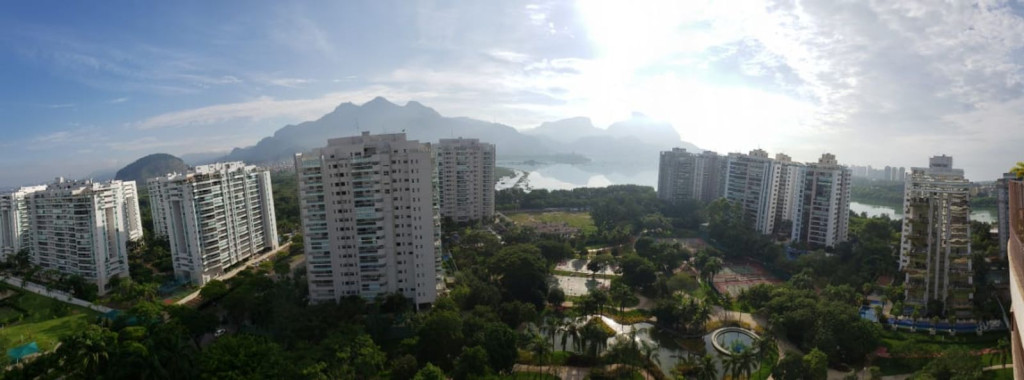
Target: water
896,212
568,176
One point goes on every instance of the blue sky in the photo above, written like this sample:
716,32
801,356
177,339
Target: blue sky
90,86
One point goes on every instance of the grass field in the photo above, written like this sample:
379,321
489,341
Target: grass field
579,220
45,323
922,344
999,374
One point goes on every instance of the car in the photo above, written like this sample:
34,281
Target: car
219,332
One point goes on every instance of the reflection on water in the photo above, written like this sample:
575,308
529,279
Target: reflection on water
896,212
568,177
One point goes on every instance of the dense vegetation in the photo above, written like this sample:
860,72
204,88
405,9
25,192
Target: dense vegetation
877,191
286,200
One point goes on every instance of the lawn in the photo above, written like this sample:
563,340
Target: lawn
923,344
45,323
999,374
580,220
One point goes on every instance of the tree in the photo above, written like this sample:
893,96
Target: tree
816,364
954,363
471,364
620,293
440,326
711,268
500,345
403,367
213,290
556,297
572,331
791,367
430,372
599,263
522,273
198,323
637,272
245,357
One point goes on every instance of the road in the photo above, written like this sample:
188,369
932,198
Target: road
236,271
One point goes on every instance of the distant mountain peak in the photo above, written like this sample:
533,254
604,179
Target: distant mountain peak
379,101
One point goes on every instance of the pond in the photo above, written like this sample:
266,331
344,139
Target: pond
896,211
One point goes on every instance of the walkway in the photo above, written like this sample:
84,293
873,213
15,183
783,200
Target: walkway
568,373
252,262
55,294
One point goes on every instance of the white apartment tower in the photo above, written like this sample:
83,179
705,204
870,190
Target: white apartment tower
683,175
935,249
14,232
752,181
786,192
822,218
215,217
82,227
369,219
465,173
677,175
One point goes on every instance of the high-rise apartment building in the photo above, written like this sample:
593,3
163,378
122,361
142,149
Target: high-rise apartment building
82,228
935,249
683,175
786,193
1015,259
751,181
823,213
1003,210
370,223
14,233
677,175
215,217
465,174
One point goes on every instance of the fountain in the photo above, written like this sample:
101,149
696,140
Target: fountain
732,340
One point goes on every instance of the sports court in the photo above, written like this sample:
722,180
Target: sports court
736,277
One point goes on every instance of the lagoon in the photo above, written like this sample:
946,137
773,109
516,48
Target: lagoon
896,212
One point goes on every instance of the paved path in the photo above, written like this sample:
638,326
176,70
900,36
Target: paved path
563,372
55,294
252,262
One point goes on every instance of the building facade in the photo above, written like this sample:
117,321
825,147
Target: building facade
786,192
935,246
371,225
752,181
1002,191
214,217
822,218
14,233
1015,259
683,176
465,175
82,228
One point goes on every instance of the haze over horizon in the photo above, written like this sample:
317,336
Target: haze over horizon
887,83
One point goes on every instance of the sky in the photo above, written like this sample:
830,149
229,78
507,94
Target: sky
87,86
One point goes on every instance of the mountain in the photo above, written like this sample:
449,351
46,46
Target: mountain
196,159
566,130
151,166
381,116
638,139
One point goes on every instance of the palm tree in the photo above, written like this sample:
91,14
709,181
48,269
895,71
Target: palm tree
746,362
706,369
571,329
711,268
730,365
551,324
766,346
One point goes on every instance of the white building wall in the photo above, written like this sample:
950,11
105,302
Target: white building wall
14,220
80,228
215,217
369,218
465,170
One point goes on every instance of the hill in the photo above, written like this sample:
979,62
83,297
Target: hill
151,166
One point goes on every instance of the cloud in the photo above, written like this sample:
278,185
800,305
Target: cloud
119,100
290,82
269,108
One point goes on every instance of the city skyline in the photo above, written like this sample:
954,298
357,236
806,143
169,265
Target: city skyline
869,82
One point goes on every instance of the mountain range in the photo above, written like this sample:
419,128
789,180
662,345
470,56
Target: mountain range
151,166
638,139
